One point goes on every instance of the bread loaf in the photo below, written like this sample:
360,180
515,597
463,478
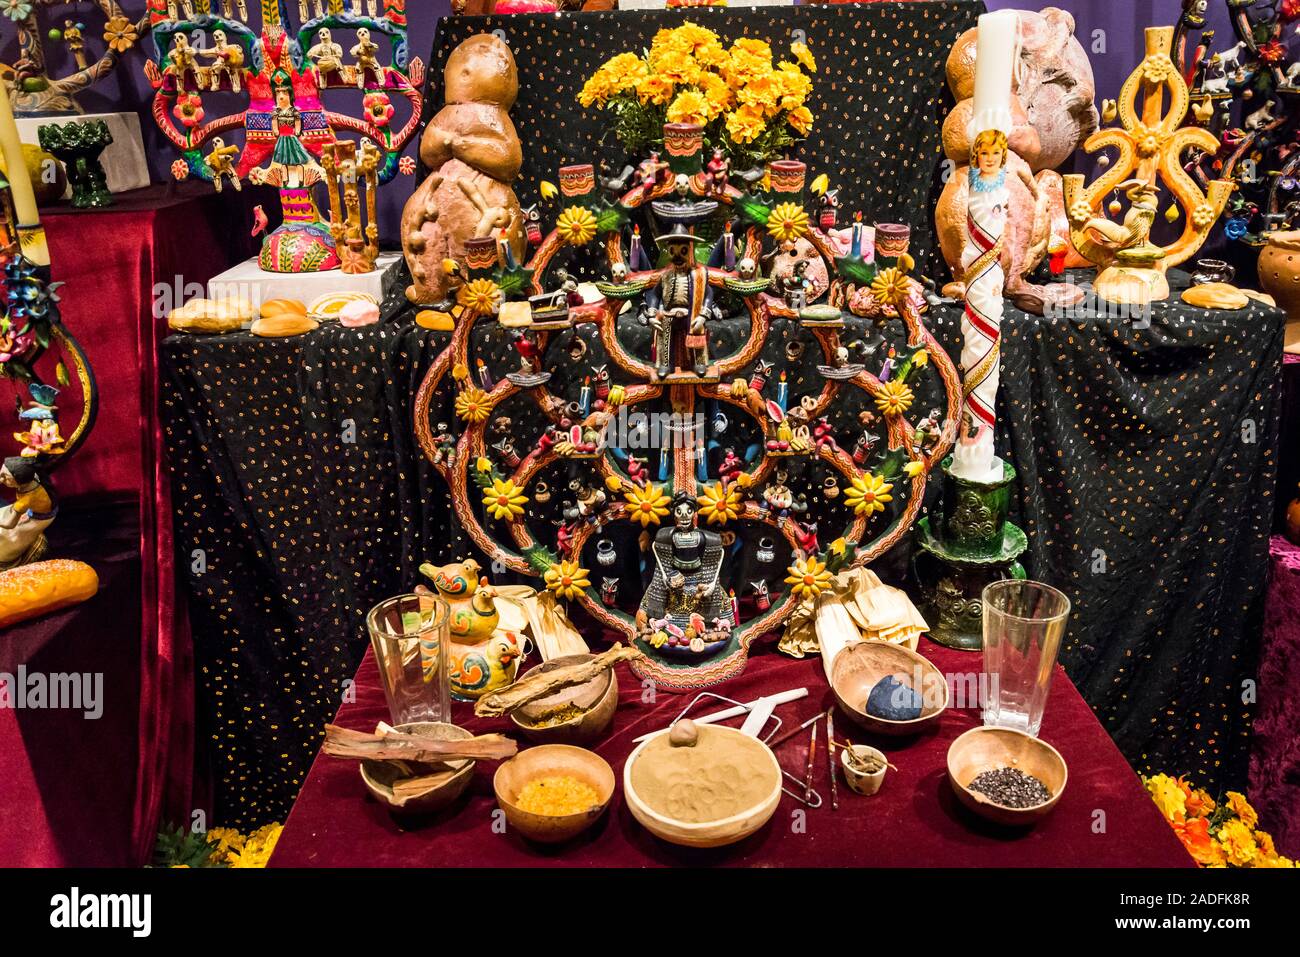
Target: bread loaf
42,587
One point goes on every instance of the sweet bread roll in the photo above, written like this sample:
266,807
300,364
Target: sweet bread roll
42,587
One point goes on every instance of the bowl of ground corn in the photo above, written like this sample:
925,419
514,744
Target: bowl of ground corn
553,792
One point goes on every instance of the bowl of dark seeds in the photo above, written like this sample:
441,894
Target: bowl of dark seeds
1006,776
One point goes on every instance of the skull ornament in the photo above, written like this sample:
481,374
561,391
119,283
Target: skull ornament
746,269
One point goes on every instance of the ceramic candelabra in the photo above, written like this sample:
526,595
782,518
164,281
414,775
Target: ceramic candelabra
1150,144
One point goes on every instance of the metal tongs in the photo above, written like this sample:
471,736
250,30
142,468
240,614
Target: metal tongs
759,713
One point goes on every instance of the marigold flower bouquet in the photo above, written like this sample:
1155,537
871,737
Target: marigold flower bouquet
750,106
1216,835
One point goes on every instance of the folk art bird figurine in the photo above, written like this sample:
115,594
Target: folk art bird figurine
481,656
473,615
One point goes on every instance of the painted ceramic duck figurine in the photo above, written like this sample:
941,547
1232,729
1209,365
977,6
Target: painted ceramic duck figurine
473,613
481,657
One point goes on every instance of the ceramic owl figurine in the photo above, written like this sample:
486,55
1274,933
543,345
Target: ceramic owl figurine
481,657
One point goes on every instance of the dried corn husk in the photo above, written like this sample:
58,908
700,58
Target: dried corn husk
538,613
857,607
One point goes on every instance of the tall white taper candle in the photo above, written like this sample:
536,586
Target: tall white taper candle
20,185
995,54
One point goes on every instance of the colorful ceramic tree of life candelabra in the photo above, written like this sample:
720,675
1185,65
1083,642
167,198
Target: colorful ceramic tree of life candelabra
1247,95
283,73
35,347
654,264
32,90
1152,146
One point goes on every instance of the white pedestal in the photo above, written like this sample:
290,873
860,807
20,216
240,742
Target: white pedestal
249,281
123,160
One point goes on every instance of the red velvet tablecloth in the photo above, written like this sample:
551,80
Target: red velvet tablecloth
122,268
1275,743
1105,817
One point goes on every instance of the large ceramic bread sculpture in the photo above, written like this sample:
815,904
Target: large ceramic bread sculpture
1054,112
473,154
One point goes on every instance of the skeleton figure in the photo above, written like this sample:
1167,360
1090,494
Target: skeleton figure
221,161
365,52
227,60
184,62
677,307
326,55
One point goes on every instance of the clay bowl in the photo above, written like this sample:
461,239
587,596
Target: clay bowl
858,667
552,760
718,833
598,699
983,749
452,777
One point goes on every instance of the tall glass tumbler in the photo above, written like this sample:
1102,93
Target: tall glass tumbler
1024,622
409,634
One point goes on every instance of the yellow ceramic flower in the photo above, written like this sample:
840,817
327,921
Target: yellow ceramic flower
120,34
913,468
920,358
504,499
894,398
646,504
787,221
890,287
567,579
1238,842
691,106
613,483
481,296
460,372
719,504
576,225
1239,806
617,395
483,463
867,494
473,404
801,119
804,56
808,578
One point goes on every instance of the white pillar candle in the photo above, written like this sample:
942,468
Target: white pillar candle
995,54
20,184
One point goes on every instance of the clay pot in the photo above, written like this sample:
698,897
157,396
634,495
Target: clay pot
1279,274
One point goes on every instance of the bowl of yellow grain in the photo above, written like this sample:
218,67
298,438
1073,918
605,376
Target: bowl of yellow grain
553,792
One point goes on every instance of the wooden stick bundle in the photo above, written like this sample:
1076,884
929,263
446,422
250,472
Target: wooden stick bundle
396,746
540,684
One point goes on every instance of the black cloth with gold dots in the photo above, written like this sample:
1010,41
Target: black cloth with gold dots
296,492
1147,461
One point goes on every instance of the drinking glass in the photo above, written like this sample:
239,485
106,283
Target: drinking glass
409,634
1024,622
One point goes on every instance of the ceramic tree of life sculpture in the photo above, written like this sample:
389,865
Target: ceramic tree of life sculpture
1151,146
94,47
206,48
669,256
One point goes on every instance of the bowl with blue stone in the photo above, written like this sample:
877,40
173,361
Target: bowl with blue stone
888,689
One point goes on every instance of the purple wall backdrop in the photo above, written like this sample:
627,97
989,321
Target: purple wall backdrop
1111,31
